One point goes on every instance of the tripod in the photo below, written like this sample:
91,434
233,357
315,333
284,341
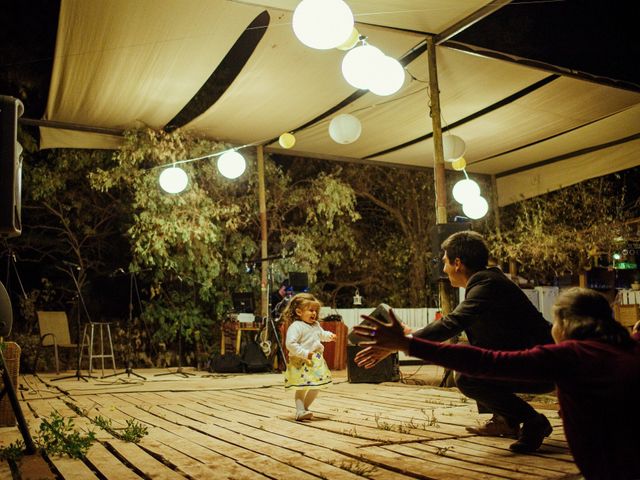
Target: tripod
79,336
179,370
129,368
268,319
6,319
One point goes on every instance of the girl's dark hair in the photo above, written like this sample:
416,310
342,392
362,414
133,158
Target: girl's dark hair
585,314
469,247
299,301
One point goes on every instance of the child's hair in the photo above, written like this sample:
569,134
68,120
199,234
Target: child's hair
299,301
585,314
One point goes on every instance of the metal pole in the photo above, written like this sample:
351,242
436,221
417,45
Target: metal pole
264,265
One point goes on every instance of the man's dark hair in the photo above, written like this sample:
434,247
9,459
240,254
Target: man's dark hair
469,247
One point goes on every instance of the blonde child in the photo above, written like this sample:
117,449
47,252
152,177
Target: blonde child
307,372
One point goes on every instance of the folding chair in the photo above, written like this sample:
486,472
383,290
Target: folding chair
54,332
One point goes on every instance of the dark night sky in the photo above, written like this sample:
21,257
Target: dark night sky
596,37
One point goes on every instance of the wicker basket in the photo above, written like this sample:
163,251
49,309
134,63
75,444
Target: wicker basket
12,364
627,315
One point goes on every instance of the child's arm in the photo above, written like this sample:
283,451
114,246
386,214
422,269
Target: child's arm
326,336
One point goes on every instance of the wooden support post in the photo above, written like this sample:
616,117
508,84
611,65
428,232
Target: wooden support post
582,279
264,265
513,268
438,162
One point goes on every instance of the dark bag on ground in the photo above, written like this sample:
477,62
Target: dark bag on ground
226,363
253,358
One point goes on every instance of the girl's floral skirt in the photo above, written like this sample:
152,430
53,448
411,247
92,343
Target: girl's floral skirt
302,374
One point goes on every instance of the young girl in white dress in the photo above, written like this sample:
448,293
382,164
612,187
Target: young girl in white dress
307,372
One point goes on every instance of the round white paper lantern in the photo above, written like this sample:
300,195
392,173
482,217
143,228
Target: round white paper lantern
453,147
173,180
322,24
345,129
475,208
388,78
360,65
231,164
465,190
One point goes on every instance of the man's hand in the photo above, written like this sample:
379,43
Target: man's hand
370,356
387,336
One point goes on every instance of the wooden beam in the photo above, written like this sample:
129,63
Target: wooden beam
264,265
434,111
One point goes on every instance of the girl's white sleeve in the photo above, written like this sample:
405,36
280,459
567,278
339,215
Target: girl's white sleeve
325,335
293,343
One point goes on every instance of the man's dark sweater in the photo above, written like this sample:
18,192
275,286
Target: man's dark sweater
598,389
495,314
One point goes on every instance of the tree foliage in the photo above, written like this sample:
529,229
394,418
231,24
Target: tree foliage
562,232
195,245
66,222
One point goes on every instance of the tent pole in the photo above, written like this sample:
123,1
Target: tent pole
438,162
264,265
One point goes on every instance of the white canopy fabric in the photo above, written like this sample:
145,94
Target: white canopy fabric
123,64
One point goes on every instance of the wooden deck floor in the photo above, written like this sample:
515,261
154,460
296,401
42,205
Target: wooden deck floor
242,427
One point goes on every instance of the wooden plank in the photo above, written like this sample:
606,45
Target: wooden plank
317,451
143,462
370,426
295,457
544,451
412,467
207,465
72,468
478,468
543,467
394,419
108,465
5,469
250,459
34,467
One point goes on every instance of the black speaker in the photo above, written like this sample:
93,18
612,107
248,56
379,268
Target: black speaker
387,370
299,281
438,234
243,302
10,166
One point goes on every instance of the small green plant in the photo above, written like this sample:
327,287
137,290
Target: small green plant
380,424
132,432
432,421
14,451
58,437
353,432
443,450
358,468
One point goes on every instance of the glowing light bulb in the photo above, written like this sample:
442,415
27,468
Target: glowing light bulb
465,190
231,164
173,180
322,24
475,208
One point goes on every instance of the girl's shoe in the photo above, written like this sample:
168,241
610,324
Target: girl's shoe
304,415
